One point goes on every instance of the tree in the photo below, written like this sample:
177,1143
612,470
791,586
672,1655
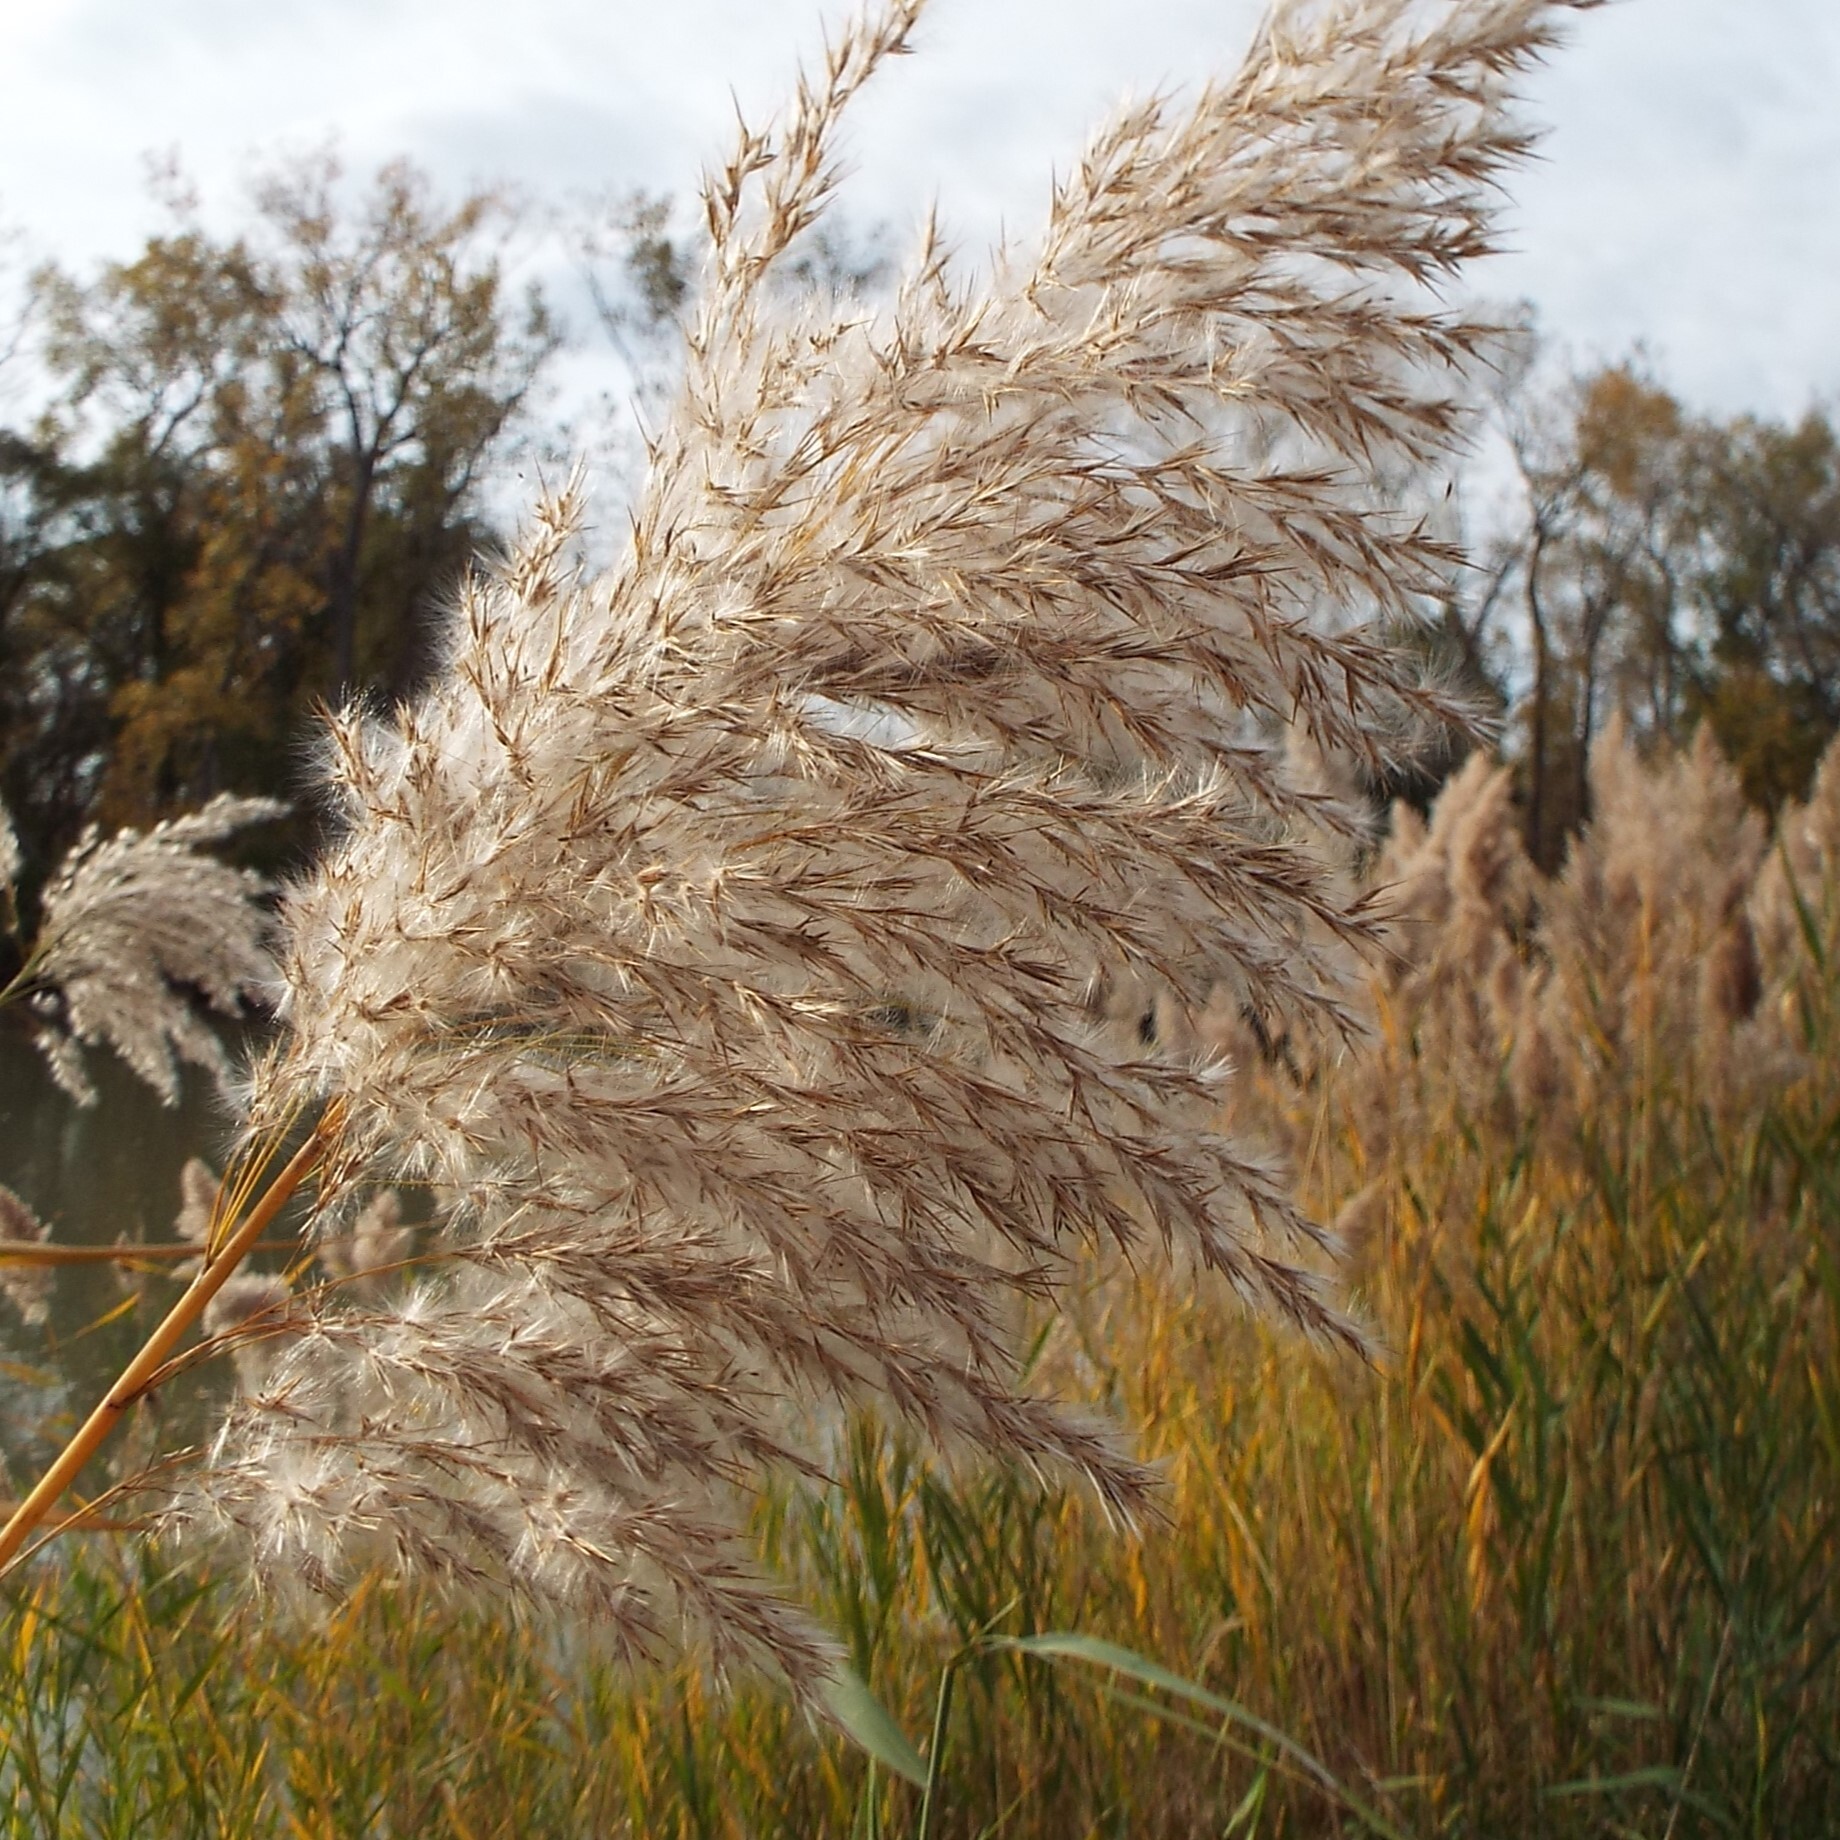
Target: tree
263,462
1598,568
1768,509
1670,570
395,323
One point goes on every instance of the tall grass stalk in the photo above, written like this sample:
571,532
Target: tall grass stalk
1563,1564
240,1229
720,937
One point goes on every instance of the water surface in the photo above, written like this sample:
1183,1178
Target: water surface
95,1174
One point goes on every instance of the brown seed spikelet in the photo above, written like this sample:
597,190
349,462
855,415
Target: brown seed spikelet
26,1287
721,933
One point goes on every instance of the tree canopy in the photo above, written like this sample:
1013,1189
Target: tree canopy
1671,569
263,458
259,466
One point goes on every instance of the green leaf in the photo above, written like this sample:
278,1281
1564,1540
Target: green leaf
1099,1653
1657,1776
1620,1708
1251,1803
867,1723
936,1751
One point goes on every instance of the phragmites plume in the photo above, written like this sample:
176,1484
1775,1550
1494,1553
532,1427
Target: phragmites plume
721,933
136,932
11,859
23,1283
1677,963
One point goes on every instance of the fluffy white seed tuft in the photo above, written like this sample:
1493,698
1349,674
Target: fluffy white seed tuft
722,934
136,932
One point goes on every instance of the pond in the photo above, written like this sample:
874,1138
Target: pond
96,1174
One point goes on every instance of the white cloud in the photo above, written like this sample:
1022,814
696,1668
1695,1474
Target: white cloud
1686,199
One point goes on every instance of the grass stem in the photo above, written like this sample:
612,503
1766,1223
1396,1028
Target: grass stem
39,1252
136,1377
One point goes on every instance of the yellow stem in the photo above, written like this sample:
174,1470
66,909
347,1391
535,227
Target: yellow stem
85,1522
140,1371
40,1252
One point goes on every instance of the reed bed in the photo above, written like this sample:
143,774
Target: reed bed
1560,1563
736,943
715,938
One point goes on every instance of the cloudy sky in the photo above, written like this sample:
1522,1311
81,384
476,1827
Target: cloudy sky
1689,199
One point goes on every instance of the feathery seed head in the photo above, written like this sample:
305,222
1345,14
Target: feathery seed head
27,1287
722,932
131,928
11,859
198,1189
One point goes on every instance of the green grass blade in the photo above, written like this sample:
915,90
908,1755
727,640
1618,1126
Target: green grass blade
867,1723
1097,1652
1656,1776
936,1753
1251,1804
1621,1708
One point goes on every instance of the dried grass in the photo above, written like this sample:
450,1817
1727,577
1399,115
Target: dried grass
1561,1562
1674,949
722,933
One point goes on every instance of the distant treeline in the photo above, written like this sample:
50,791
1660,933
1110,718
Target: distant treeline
1670,569
258,463
255,463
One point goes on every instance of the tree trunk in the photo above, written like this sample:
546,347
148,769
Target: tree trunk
1538,719
342,585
